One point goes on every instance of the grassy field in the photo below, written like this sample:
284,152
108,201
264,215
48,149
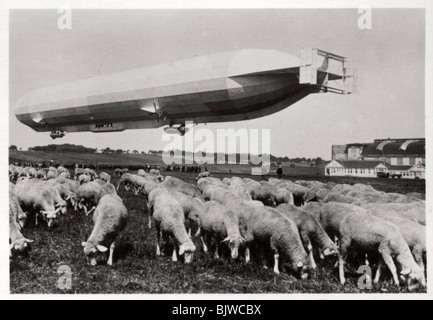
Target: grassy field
138,270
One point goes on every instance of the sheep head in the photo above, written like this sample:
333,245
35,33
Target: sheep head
234,241
50,217
93,253
22,218
20,245
188,249
414,278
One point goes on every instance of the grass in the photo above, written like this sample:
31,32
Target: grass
138,270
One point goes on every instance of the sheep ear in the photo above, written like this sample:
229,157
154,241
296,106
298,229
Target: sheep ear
84,244
226,240
406,272
29,241
101,248
300,264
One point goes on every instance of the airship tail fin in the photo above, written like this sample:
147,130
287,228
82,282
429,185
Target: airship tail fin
327,72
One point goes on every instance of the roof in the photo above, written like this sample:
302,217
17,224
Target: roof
361,164
395,149
400,168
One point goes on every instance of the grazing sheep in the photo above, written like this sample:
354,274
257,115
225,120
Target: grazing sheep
267,228
39,198
260,192
339,198
416,195
18,243
52,175
220,225
72,185
108,187
227,181
118,172
413,233
89,194
78,172
83,179
20,217
301,194
280,196
142,173
412,212
312,234
63,190
170,221
201,175
189,205
109,220
42,175
91,173
365,232
204,182
105,177
126,179
270,229
65,175
175,184
240,191
13,172
32,173
61,169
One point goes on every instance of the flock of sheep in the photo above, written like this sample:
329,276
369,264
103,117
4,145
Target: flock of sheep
291,226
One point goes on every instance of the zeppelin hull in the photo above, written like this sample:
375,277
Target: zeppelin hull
227,87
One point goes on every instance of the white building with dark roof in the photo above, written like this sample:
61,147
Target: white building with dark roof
394,158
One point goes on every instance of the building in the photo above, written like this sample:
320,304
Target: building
395,158
356,168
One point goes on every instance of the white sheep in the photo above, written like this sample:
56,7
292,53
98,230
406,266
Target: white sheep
220,225
19,214
18,243
39,198
264,225
105,176
170,221
415,211
84,178
365,232
42,175
110,219
65,175
175,184
312,234
205,174
52,175
89,194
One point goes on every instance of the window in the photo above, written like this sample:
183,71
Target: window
399,161
412,161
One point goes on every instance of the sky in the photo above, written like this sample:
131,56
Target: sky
390,97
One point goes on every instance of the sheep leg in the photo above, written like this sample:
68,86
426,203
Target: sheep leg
247,255
217,256
174,257
418,255
205,248
344,246
378,272
158,240
276,257
387,258
110,259
91,210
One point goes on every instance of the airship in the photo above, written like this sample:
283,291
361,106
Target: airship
225,87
